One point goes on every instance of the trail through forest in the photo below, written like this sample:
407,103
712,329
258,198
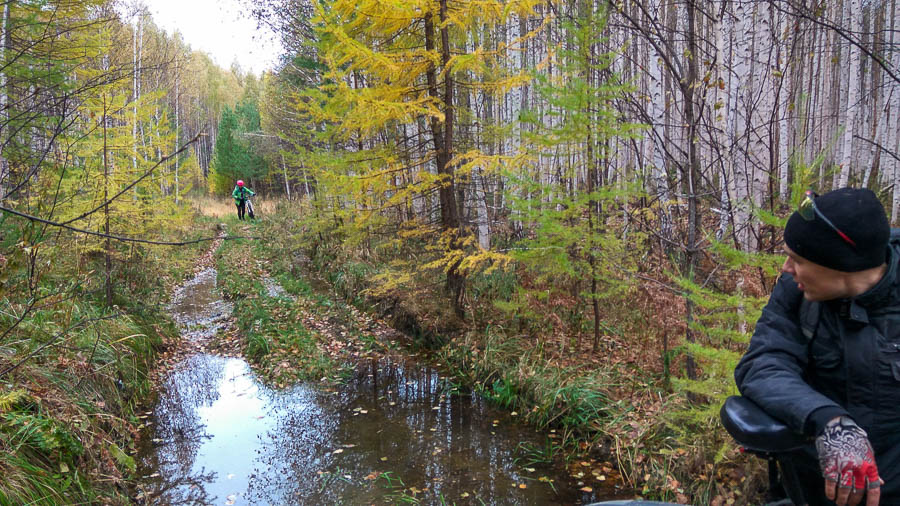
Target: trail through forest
574,207
392,428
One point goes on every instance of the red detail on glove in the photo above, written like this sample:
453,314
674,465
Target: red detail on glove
866,474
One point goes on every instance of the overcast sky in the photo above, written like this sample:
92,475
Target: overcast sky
220,28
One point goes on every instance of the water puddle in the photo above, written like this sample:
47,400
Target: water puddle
273,289
198,308
394,432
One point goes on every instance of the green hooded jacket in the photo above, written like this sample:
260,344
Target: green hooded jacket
241,193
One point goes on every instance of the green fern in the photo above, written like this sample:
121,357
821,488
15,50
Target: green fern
122,458
9,400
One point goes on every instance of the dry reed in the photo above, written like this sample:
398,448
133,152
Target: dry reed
218,207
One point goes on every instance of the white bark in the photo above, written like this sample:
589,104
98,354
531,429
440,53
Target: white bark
484,229
786,87
761,100
720,107
177,129
740,91
4,98
657,100
892,111
853,98
287,184
136,86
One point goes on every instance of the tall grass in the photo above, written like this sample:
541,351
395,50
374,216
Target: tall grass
223,206
68,410
214,207
517,375
63,412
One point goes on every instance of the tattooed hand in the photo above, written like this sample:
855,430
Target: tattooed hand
848,463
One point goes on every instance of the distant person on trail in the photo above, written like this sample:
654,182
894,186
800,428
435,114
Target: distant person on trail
825,355
241,193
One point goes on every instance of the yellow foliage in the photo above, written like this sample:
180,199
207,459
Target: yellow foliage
485,260
10,399
385,82
456,252
490,164
389,281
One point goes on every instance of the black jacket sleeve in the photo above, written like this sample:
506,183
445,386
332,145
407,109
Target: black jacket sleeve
771,373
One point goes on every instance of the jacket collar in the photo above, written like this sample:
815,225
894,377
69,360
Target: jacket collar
857,308
880,294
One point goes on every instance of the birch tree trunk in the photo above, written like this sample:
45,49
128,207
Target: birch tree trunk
135,89
892,111
177,129
480,194
791,73
853,98
721,101
656,156
4,97
739,89
287,184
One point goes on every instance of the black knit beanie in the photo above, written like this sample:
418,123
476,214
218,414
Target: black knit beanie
857,213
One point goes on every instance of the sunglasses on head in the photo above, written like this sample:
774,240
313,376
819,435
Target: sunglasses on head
808,211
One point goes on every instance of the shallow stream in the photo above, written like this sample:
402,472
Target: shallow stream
396,432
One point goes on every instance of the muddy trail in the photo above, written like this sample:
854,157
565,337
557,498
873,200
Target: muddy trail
395,431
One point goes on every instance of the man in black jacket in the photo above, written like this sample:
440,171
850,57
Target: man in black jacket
837,378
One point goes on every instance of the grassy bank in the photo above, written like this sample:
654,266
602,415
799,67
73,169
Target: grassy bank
289,331
73,369
276,340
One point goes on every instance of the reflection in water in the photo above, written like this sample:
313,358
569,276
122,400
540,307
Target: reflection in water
197,307
181,431
392,433
222,431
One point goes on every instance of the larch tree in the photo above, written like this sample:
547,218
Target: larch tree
396,68
573,239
